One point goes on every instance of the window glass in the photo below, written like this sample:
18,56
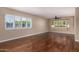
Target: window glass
29,23
9,21
18,22
23,22
60,23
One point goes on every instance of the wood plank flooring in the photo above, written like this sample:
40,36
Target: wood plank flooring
45,42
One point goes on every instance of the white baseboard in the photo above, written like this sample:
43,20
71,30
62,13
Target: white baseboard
21,37
77,40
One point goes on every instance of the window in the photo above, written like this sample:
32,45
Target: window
29,23
9,21
60,23
17,22
23,22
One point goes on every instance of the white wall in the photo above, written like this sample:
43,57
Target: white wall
39,25
77,24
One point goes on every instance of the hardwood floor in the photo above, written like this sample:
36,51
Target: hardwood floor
45,42
62,42
76,46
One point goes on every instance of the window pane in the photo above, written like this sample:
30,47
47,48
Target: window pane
29,23
18,22
60,23
9,25
23,22
9,21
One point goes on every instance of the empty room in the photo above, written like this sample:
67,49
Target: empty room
39,29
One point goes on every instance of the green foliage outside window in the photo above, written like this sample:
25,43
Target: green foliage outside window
60,23
23,22
28,22
20,22
17,22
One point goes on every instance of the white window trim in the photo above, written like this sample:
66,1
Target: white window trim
5,23
13,28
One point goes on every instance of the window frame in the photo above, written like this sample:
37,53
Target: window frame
14,22
63,26
8,15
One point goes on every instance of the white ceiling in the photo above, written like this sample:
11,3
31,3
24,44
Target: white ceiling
48,12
